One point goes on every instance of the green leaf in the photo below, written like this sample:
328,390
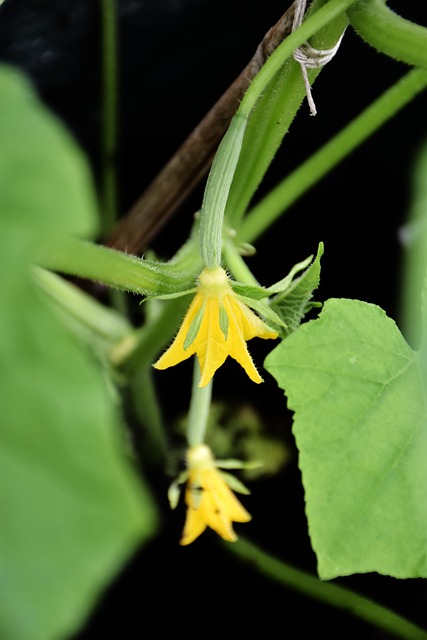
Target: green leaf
295,302
360,426
73,508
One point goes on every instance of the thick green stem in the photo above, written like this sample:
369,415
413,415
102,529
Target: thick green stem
225,162
113,268
216,193
268,210
109,132
328,593
389,33
309,27
269,122
199,409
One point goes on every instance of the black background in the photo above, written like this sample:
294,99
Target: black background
176,57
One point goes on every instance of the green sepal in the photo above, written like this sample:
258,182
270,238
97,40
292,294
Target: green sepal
170,296
286,283
264,310
295,301
194,327
223,321
257,292
234,483
233,463
174,490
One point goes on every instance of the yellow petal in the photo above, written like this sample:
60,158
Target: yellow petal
252,325
194,526
235,341
211,347
210,502
176,352
210,344
225,497
216,517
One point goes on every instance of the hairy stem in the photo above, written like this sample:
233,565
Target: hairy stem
270,208
389,33
113,268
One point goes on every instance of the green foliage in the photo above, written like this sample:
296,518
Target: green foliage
72,508
296,301
74,503
359,400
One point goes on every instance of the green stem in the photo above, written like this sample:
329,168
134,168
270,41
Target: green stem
328,593
146,405
383,29
309,27
268,210
199,409
413,317
237,265
113,268
78,307
226,159
216,193
270,121
109,132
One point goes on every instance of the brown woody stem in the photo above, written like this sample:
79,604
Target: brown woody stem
192,160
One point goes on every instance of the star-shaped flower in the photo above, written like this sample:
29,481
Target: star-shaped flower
216,325
210,501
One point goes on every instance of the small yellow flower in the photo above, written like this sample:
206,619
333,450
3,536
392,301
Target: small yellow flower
210,502
216,325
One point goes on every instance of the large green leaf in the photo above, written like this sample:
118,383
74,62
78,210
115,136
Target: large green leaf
72,507
360,426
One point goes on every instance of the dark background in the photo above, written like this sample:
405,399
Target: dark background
176,57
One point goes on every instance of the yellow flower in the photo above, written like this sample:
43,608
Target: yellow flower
210,502
216,325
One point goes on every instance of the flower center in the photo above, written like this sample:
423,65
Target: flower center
214,282
199,458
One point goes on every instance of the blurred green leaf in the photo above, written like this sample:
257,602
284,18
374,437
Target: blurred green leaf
43,175
360,426
413,236
72,507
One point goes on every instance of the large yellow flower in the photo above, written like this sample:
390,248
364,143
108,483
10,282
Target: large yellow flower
210,502
216,325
